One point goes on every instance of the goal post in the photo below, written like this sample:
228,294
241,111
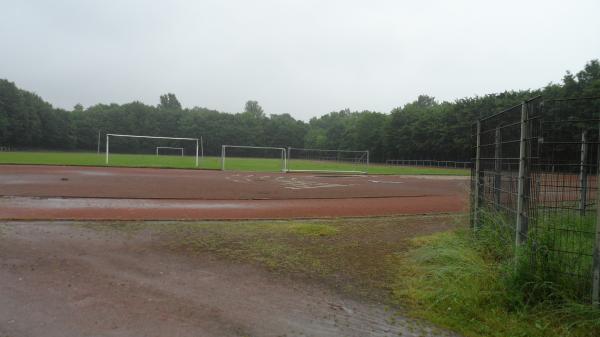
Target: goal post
195,140
179,149
258,158
327,161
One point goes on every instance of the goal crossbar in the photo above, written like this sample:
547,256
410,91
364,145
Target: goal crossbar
254,147
282,149
150,137
321,150
108,135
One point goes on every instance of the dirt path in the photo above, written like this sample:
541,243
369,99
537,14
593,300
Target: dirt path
60,279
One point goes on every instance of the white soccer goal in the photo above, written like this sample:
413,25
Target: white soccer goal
169,149
327,161
194,141
250,158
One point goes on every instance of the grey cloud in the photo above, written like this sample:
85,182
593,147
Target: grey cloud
305,58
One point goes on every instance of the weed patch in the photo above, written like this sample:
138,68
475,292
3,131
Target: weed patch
454,280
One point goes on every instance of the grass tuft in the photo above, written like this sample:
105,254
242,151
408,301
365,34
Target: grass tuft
463,282
357,256
313,229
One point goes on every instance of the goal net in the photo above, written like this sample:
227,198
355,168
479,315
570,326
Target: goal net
169,150
333,161
253,158
139,150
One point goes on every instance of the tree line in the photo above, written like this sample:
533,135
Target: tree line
422,129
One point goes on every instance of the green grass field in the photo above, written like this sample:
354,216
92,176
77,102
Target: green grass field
187,162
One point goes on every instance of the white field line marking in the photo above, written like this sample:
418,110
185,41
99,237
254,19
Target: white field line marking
312,187
231,178
288,183
294,184
386,182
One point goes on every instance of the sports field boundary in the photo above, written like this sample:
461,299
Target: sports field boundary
252,220
200,169
221,199
117,166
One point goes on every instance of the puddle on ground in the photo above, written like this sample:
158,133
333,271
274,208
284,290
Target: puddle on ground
66,203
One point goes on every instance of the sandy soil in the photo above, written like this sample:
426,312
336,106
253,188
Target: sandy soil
61,279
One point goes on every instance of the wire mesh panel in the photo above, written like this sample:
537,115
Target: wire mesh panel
497,147
432,163
565,184
536,168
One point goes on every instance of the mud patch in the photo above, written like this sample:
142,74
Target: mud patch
57,279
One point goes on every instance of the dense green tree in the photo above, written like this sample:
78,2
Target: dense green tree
422,129
254,109
283,131
169,102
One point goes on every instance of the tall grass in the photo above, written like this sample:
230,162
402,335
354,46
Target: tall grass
480,285
556,263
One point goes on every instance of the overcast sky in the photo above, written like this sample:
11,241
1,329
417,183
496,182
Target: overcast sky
301,57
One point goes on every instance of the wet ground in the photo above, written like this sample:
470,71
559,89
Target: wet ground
65,279
60,192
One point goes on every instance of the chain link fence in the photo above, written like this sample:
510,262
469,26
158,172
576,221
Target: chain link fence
535,173
429,163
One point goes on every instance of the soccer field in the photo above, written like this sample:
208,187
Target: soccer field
188,162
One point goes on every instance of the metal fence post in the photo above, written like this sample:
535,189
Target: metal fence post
583,173
521,228
284,159
498,168
596,257
477,197
197,150
223,158
107,149
596,273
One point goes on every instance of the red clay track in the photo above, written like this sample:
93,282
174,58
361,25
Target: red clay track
58,192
